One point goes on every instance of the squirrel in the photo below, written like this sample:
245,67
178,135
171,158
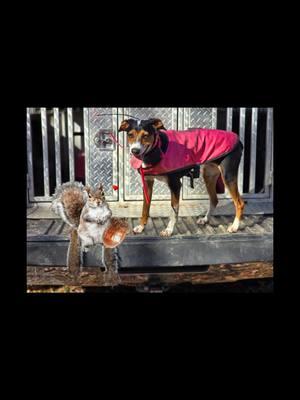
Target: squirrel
88,214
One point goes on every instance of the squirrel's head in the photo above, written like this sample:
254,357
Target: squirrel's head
95,197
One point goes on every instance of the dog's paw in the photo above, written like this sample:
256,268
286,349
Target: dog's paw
232,228
202,221
166,233
138,229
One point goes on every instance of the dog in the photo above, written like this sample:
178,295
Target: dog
169,155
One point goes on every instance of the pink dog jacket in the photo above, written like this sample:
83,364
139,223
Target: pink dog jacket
189,148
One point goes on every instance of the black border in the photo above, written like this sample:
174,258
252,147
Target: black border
164,94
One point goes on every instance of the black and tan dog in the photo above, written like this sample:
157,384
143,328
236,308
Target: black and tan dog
142,139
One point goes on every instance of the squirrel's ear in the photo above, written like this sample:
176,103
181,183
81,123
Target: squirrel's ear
87,189
100,187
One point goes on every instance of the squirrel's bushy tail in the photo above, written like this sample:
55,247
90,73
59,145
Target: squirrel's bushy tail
73,256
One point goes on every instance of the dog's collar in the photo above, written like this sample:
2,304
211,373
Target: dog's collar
157,151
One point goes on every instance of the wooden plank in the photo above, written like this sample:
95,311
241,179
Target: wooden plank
191,225
267,224
131,226
258,228
223,224
207,229
215,221
182,228
38,227
150,230
94,277
158,225
65,230
49,227
56,228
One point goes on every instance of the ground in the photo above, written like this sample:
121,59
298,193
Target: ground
243,286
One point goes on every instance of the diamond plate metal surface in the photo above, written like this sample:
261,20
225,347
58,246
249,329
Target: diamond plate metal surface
102,164
133,185
197,118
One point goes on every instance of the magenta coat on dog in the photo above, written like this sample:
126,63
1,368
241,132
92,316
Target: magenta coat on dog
190,148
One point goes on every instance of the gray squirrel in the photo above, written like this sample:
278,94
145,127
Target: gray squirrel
86,211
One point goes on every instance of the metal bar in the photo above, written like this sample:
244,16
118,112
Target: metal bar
86,144
253,150
71,144
187,117
242,139
29,156
214,118
181,127
228,128
115,175
180,118
126,175
122,150
268,159
174,118
272,157
186,123
57,146
229,119
45,151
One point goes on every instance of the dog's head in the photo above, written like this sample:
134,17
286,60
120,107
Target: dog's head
141,134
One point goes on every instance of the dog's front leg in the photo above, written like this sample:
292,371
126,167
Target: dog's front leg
175,187
146,207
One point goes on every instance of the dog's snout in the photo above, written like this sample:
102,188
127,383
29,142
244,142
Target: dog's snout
135,151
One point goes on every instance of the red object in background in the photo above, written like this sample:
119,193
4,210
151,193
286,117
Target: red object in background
79,165
115,187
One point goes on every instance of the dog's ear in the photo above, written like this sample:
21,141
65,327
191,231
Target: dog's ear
157,123
125,126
